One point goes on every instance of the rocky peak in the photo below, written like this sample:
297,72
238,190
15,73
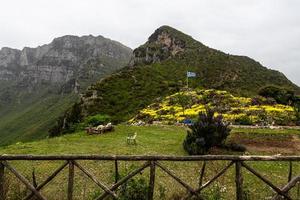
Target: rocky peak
164,43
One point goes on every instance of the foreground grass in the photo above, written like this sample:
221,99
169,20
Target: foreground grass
151,140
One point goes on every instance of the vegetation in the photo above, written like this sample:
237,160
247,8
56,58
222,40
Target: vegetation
158,72
236,110
31,119
96,120
134,189
209,131
281,95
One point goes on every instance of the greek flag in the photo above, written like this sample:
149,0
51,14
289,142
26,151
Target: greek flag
190,74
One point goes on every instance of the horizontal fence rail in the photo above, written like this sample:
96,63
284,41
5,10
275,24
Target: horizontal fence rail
71,164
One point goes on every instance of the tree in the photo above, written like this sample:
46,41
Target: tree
184,100
281,95
297,109
207,132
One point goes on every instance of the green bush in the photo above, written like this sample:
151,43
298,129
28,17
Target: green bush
96,120
297,112
207,132
134,189
243,120
281,95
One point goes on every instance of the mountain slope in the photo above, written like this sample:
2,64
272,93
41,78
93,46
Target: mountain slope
159,68
38,84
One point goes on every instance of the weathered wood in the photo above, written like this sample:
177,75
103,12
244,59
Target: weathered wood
116,171
266,181
298,190
149,158
125,179
215,177
238,181
189,188
23,180
34,182
2,182
151,161
94,179
288,187
202,173
71,180
53,175
290,171
151,181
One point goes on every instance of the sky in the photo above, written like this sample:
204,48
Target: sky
265,30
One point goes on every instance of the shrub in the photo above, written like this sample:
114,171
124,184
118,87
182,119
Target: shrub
297,112
244,120
259,100
134,189
281,95
207,132
97,120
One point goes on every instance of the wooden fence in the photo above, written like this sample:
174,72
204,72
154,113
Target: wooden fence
152,162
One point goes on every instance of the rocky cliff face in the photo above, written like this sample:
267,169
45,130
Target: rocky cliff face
165,43
61,61
36,80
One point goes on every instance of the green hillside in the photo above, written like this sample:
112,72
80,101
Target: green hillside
31,119
159,68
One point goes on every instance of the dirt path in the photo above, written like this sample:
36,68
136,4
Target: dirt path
268,145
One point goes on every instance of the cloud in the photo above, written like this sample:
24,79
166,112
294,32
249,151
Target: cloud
267,31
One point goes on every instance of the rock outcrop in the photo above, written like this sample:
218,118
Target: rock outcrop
161,45
38,84
62,60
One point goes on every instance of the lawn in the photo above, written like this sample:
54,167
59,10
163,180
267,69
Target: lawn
151,140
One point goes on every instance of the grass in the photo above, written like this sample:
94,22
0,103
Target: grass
151,140
31,120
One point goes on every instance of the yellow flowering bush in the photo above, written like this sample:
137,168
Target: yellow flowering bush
236,110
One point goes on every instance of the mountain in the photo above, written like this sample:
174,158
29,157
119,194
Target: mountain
38,84
158,68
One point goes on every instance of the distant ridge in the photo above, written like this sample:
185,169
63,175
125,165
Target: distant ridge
38,84
158,68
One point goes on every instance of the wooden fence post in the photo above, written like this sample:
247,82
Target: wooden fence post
116,171
2,182
239,180
71,180
290,171
202,173
151,181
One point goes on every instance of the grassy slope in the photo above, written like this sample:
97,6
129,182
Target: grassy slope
151,140
31,120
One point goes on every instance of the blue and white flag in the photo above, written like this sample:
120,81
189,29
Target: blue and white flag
190,74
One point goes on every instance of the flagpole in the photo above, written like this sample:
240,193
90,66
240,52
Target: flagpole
187,80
